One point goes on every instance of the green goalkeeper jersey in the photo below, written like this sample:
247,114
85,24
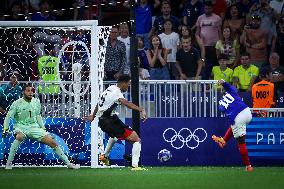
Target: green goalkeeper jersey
25,114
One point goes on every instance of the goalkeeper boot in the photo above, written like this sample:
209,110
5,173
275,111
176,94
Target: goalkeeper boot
73,166
8,165
219,140
249,168
104,159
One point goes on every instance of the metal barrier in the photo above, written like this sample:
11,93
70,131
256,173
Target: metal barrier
169,99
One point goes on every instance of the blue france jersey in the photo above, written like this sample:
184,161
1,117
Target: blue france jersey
231,103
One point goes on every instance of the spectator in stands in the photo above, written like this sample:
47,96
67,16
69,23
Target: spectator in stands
144,66
235,21
178,7
267,17
229,46
144,20
46,12
124,37
170,41
276,72
245,7
12,90
254,40
16,12
196,41
191,12
279,46
277,6
157,58
115,57
188,62
222,71
209,30
219,7
245,74
158,25
17,55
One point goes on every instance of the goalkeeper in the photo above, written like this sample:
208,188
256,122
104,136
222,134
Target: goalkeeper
28,124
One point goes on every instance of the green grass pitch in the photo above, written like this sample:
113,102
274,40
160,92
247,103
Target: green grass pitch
154,177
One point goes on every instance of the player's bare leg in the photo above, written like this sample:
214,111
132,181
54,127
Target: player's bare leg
48,140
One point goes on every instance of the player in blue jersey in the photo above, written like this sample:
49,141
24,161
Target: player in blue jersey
239,116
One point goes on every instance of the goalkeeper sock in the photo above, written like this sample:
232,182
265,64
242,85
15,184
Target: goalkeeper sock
110,143
136,153
61,154
13,150
228,135
244,153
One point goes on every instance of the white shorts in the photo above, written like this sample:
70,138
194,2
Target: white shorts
241,121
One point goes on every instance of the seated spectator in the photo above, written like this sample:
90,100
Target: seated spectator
144,66
276,72
229,46
46,12
124,37
245,74
188,61
254,40
222,71
170,41
16,12
157,58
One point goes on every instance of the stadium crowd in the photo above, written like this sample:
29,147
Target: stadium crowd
234,40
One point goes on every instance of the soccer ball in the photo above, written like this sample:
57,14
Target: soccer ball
164,155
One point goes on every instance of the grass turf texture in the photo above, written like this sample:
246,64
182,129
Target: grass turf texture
156,177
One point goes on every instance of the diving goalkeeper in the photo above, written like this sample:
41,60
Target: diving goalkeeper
28,124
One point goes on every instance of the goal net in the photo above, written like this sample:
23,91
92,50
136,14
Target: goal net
64,63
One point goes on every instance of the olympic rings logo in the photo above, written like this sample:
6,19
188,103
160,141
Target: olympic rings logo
185,137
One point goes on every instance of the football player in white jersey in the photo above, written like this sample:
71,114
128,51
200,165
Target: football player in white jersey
109,122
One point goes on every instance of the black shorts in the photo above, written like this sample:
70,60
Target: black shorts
114,127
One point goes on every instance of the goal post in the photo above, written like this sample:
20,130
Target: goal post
94,82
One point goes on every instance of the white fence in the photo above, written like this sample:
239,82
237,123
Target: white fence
159,98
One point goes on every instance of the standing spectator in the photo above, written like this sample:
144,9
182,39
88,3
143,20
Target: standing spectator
170,41
157,58
46,12
245,7
235,21
158,25
124,37
267,17
279,46
115,57
144,20
191,12
245,74
222,71
209,30
229,46
178,7
254,40
144,66
188,61
219,7
276,72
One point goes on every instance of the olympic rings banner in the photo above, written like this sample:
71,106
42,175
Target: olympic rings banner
189,141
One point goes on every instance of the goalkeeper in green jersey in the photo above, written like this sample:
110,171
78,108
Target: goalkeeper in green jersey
28,124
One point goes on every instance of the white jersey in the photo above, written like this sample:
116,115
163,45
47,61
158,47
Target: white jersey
109,101
170,41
